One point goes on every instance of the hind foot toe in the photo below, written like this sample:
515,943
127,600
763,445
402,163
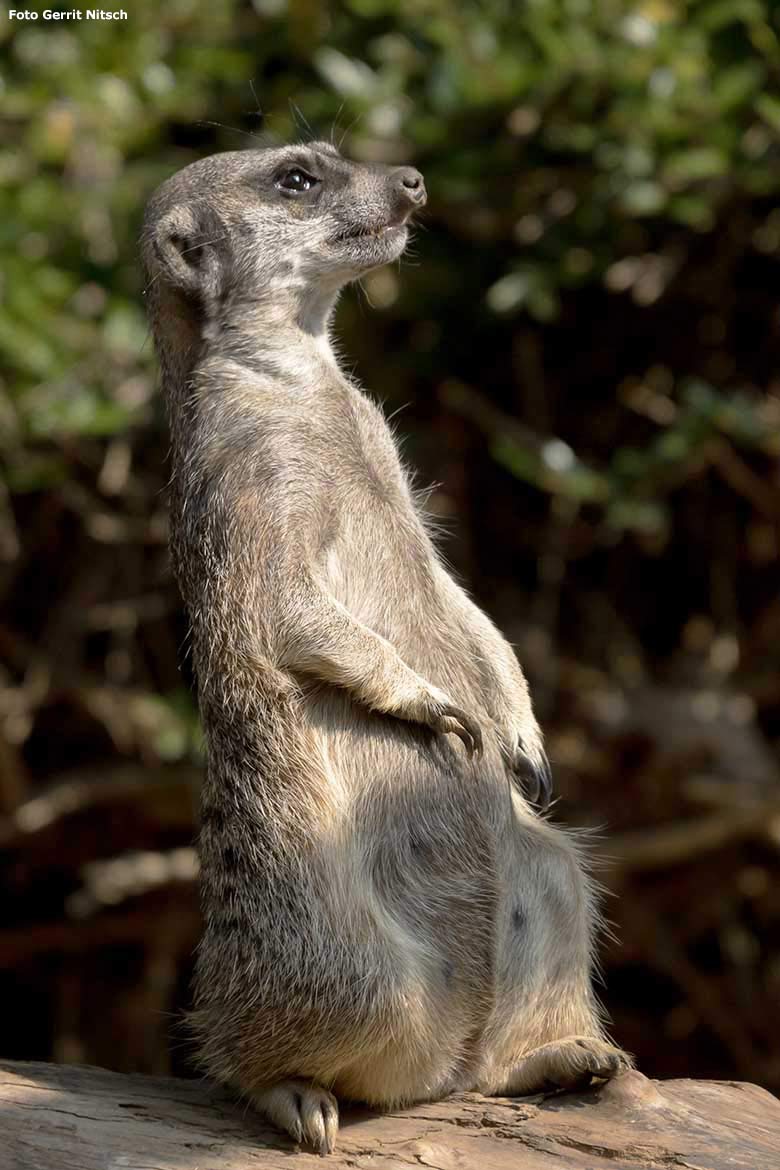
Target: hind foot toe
571,1063
307,1112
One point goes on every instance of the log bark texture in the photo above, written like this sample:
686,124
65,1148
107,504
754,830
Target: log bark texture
66,1117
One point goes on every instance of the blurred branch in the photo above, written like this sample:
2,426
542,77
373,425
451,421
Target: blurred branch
166,795
171,913
682,842
744,481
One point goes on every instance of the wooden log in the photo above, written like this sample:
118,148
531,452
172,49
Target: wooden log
67,1117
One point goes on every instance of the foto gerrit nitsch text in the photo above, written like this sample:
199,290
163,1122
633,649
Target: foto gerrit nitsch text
66,14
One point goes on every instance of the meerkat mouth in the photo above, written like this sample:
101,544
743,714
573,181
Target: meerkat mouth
378,231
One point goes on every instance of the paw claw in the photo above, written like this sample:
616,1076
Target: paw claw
307,1112
570,1063
532,769
455,721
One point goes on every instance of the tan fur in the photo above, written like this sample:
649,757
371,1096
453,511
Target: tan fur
387,918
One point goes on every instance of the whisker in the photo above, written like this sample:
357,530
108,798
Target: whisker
232,129
334,126
351,125
363,296
259,112
301,120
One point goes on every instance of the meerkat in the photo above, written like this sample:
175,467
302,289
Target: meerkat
387,916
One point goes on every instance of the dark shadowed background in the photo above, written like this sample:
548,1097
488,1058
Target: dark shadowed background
582,350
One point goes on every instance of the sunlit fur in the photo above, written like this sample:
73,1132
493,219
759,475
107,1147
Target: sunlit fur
387,917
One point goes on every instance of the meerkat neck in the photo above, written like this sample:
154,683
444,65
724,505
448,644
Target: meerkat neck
282,336
289,337
275,314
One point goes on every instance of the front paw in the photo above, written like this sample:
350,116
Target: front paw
452,720
446,718
530,768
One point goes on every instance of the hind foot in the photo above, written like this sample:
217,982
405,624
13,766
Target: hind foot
571,1063
307,1112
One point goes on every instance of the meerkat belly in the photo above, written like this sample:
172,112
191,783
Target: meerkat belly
422,831
422,858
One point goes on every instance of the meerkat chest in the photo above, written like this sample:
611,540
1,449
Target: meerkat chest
373,449
378,556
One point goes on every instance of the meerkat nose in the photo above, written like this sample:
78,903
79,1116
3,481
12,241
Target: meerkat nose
409,183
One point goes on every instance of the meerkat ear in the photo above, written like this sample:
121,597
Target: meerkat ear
186,244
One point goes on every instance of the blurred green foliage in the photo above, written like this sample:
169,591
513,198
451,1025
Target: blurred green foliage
570,148
574,143
585,339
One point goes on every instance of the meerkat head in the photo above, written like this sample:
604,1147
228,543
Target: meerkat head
274,224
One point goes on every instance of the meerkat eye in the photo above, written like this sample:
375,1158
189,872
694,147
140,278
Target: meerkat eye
296,181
